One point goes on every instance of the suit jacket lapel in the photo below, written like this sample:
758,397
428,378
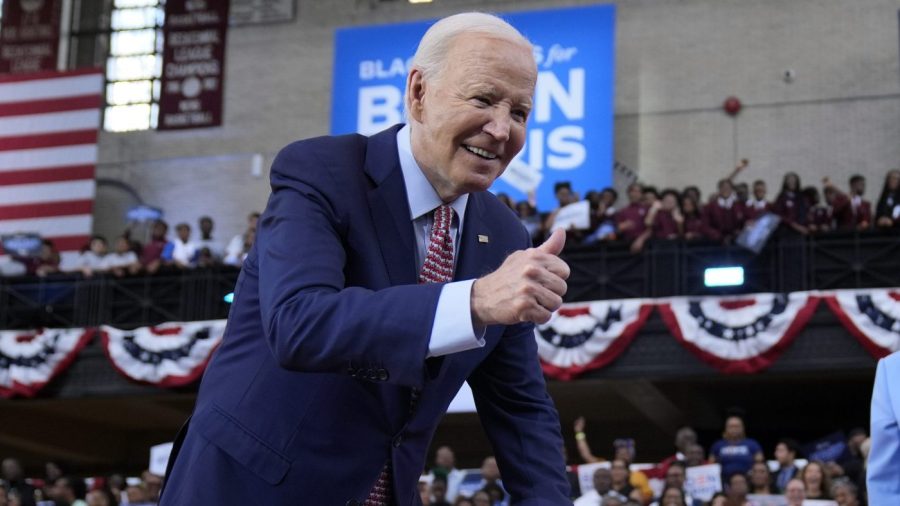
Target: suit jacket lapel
474,256
389,206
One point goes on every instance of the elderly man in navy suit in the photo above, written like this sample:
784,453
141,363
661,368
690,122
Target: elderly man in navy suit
883,468
383,276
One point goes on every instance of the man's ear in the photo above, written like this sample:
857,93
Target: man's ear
415,94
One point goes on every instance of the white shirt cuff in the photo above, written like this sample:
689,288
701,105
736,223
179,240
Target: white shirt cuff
453,330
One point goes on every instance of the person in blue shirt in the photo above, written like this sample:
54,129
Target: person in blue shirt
735,452
883,478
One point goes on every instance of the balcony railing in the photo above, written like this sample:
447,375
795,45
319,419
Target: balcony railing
605,271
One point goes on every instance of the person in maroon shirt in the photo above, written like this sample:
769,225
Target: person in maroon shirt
848,212
46,262
862,209
630,219
819,218
151,255
757,205
693,222
724,214
790,204
664,218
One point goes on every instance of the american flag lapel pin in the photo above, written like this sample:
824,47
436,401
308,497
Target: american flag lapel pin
482,238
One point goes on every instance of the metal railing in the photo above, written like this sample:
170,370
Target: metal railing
788,263
71,300
601,271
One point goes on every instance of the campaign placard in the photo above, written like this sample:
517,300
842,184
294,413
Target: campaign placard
570,131
702,482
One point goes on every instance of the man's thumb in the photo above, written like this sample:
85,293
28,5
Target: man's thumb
554,244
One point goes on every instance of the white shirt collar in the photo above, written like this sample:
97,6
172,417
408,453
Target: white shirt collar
726,203
421,195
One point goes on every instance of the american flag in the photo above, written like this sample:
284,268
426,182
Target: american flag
48,151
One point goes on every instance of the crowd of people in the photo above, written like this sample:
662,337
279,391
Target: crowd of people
747,478
650,214
57,488
667,214
130,256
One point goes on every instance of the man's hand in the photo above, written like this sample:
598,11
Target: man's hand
528,287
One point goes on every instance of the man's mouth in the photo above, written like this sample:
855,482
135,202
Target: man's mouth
483,153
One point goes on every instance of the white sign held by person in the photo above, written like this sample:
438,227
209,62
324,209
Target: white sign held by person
159,458
577,216
703,481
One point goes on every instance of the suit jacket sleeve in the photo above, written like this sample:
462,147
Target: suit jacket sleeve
520,420
312,321
883,476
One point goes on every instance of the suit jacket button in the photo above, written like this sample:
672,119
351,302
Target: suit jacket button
383,374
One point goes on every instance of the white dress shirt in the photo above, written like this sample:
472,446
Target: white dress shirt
452,330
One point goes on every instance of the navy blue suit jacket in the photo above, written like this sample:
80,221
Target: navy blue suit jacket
309,394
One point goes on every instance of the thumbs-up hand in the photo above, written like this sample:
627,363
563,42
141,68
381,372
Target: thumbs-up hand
528,286
554,244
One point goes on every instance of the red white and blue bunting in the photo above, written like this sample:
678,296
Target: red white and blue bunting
741,334
589,335
735,334
168,355
872,316
29,359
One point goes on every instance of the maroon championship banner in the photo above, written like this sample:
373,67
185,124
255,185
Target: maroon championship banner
193,64
29,37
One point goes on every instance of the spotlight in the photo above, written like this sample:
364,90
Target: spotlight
229,298
723,276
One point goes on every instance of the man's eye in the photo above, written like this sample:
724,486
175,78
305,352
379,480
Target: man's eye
520,114
483,100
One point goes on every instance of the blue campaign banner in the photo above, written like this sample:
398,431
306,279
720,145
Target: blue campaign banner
570,131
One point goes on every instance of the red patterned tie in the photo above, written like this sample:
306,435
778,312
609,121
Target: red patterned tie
438,265
381,492
437,268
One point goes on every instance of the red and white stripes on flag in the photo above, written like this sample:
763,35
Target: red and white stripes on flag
49,124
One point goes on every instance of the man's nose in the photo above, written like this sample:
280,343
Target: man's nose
499,125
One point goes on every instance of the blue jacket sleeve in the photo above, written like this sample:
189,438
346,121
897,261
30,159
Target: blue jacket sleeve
883,473
521,421
314,322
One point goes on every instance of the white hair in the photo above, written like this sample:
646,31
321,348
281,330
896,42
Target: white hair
431,55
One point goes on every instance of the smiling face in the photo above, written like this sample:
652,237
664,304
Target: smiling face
468,119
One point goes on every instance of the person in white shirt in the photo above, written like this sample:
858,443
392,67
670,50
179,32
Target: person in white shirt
182,250
239,245
91,259
445,463
602,487
123,260
206,225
